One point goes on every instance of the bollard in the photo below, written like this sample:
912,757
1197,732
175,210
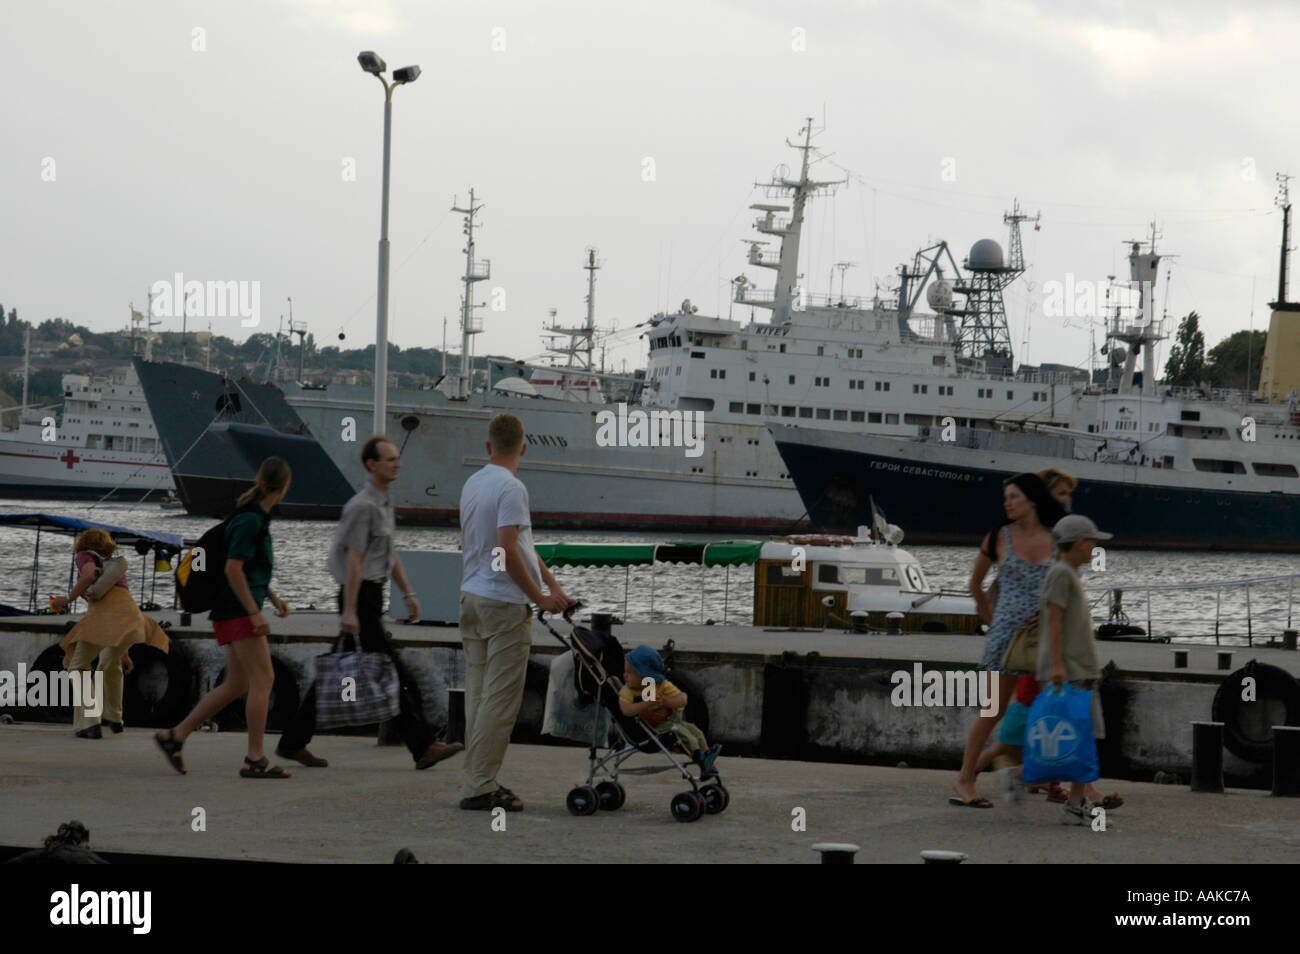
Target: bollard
1207,756
455,715
895,623
1180,659
1225,659
859,618
836,854
1289,639
938,857
186,618
1286,760
601,623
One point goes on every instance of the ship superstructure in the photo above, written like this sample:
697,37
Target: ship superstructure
102,443
819,361
1197,467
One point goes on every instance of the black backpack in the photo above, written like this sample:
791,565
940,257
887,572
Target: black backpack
198,587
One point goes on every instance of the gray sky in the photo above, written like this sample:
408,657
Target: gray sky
227,162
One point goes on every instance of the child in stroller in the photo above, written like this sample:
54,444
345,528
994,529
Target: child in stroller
662,710
598,657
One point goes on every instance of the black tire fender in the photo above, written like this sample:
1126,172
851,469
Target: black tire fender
1247,725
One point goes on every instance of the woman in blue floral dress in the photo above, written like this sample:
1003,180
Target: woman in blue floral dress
1022,550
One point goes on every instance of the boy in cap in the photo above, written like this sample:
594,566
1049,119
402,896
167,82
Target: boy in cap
1067,651
663,710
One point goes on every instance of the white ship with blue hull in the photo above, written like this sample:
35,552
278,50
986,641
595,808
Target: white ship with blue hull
1160,467
827,362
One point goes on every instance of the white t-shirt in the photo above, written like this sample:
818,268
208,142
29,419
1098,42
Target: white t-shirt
491,499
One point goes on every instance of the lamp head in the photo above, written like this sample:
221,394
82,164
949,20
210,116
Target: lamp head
407,74
371,62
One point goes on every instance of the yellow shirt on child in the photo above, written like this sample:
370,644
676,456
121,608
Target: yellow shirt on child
656,713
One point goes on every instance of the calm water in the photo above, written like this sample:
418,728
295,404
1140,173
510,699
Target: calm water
301,578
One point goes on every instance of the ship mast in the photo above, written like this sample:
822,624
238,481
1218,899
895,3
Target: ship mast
580,349
470,324
1142,334
780,300
1284,203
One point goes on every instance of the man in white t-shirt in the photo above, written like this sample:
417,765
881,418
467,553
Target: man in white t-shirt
501,574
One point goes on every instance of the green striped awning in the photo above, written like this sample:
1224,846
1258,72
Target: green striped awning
720,553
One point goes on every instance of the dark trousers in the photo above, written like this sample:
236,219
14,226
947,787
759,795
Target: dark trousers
409,720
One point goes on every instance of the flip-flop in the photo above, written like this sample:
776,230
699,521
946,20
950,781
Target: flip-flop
959,802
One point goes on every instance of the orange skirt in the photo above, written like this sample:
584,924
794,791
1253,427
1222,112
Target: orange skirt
114,620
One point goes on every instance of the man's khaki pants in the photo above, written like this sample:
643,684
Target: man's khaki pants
110,664
497,638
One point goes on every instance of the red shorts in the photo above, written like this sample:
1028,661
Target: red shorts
229,630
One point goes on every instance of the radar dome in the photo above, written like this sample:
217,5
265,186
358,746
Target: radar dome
939,295
985,255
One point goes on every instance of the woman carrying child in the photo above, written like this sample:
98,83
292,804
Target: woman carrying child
111,626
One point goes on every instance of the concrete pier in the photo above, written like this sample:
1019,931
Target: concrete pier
370,802
809,695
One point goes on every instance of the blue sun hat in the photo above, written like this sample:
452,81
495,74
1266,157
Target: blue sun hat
647,662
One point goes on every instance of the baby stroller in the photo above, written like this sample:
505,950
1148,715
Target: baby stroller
598,658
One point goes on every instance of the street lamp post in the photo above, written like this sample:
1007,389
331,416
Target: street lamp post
373,64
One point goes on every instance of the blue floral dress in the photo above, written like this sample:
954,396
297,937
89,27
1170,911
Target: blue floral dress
1020,585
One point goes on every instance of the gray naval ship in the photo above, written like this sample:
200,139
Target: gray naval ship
684,445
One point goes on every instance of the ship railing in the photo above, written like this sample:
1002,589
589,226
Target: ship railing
828,301
928,327
1231,612
1227,395
753,295
770,223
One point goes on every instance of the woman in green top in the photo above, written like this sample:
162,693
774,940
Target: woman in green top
240,627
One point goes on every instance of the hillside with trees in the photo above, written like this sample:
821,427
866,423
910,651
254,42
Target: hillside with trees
59,347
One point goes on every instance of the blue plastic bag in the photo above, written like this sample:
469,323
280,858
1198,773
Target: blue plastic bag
1059,742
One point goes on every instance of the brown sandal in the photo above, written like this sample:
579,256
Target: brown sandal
172,749
262,768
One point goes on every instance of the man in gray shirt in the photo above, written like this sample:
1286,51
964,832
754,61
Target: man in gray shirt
361,558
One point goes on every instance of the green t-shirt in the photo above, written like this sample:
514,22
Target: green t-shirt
1078,648
241,544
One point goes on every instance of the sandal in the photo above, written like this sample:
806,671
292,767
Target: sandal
501,798
262,768
978,802
172,750
1112,801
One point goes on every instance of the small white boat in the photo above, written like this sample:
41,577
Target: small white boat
859,582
